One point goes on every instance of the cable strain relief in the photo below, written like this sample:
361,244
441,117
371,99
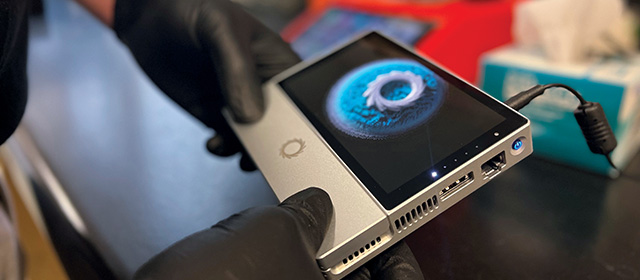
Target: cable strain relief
523,98
595,128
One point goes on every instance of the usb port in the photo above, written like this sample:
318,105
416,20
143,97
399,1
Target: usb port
493,166
458,184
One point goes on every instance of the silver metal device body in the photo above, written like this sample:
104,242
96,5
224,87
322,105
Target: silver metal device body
293,156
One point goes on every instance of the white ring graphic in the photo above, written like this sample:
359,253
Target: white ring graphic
375,98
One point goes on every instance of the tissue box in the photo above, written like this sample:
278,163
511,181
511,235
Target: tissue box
613,83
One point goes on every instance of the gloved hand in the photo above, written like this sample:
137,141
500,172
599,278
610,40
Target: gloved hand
205,54
273,242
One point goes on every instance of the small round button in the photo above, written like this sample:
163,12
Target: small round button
518,146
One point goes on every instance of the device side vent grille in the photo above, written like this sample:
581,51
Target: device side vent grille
416,213
361,252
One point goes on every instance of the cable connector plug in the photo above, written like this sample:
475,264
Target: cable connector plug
596,129
523,98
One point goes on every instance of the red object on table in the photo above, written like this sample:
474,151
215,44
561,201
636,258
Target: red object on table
464,30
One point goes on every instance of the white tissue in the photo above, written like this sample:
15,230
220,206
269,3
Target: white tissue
567,30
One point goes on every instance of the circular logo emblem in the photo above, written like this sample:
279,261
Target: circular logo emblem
385,98
292,148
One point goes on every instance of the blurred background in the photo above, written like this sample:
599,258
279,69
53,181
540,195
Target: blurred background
105,171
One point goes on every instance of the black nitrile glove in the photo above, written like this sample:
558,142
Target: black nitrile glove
205,54
273,242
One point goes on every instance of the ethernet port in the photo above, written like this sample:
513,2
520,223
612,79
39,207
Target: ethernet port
493,166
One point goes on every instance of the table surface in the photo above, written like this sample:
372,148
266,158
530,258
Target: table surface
135,167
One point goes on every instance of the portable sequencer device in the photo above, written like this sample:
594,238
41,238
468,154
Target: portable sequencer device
393,138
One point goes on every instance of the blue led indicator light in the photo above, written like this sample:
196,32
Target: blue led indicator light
517,145
434,174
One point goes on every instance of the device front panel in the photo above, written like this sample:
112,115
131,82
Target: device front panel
398,122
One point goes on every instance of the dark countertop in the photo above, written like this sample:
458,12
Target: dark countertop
539,220
135,168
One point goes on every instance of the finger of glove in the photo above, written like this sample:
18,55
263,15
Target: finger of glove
223,145
247,163
396,262
272,54
313,210
225,32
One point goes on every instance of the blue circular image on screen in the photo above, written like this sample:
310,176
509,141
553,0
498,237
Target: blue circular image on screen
385,98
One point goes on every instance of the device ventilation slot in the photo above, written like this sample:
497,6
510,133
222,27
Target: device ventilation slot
416,214
361,252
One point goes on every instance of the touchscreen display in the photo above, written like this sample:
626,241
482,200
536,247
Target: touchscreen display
397,121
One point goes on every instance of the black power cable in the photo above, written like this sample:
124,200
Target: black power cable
590,116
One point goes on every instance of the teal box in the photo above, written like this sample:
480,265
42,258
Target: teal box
556,135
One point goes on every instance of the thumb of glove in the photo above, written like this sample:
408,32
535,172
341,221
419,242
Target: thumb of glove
313,211
254,244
